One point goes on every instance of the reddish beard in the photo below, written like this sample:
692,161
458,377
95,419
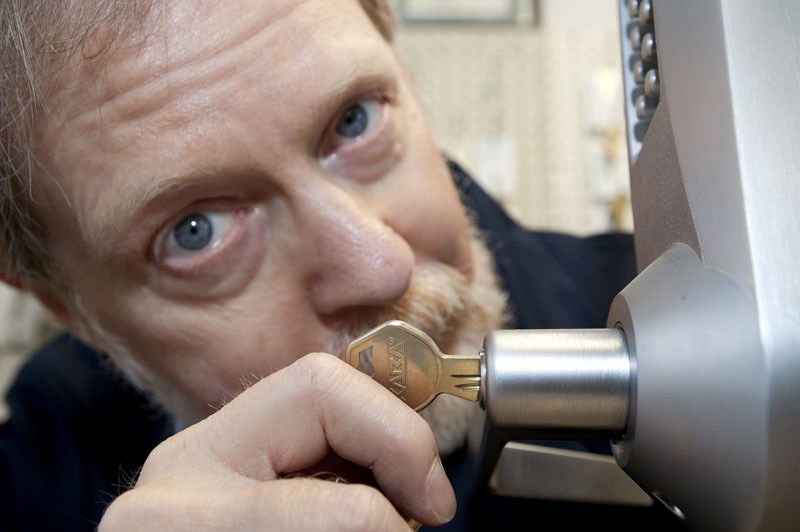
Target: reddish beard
456,312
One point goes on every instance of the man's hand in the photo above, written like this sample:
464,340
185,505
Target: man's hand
224,472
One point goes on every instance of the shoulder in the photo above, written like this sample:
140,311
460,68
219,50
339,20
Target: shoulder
76,435
554,280
69,386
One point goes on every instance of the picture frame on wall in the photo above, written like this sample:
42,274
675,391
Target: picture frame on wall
457,10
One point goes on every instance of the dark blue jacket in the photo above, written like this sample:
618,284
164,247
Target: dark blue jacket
78,433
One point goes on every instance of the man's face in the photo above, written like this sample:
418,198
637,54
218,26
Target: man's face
240,184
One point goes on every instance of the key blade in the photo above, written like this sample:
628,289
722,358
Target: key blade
402,358
460,375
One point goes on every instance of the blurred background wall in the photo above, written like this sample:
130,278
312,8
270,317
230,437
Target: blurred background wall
530,105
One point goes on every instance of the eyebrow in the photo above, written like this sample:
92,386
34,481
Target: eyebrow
165,186
115,223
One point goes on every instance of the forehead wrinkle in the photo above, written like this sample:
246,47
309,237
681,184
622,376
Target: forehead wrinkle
127,90
135,81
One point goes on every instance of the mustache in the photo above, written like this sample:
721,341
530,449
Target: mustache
437,296
455,310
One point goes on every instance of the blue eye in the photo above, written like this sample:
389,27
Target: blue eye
353,122
197,232
358,119
193,232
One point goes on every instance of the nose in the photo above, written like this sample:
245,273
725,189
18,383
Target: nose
353,257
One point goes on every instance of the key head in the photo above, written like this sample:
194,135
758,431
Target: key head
400,357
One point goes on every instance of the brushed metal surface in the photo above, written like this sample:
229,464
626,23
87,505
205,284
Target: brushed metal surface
539,472
557,379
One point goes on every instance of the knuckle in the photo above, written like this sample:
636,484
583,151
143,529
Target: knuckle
114,518
169,455
154,508
155,462
317,362
123,512
315,373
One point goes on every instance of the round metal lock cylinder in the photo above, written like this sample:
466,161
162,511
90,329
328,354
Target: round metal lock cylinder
553,380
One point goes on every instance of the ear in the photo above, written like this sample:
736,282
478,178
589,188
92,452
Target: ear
43,294
53,303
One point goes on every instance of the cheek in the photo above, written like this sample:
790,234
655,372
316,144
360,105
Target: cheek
427,211
442,230
211,351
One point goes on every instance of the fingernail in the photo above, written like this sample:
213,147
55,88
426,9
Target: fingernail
439,493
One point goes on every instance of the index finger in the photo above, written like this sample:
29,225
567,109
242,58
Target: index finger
292,419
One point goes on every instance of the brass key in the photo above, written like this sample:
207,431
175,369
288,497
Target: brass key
407,362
